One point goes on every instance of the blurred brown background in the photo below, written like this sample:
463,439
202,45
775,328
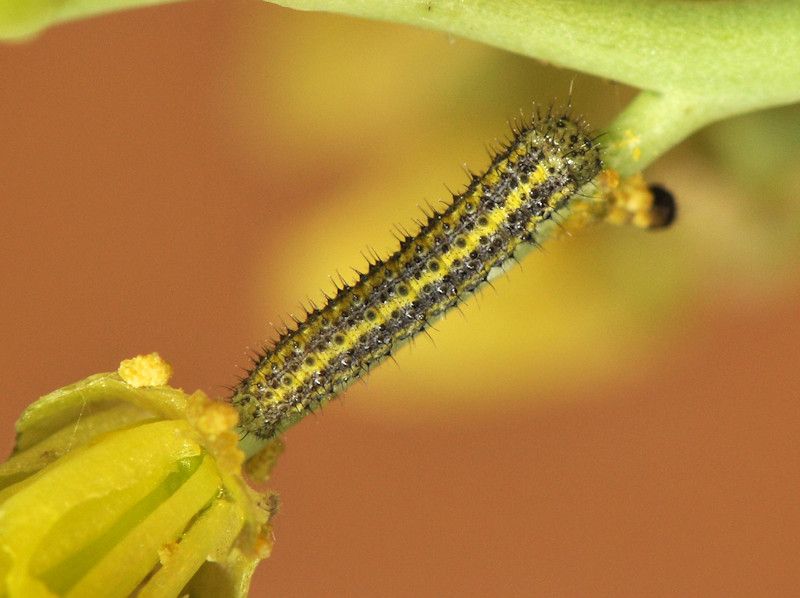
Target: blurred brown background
619,417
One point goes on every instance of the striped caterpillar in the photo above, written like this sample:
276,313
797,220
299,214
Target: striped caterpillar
497,219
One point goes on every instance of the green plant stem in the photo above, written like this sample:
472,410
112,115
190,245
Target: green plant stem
652,124
696,61
710,48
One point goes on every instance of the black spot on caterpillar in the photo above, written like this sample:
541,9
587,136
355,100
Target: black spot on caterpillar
495,220
664,207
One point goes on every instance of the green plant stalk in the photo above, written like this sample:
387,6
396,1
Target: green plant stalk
696,62
744,50
653,123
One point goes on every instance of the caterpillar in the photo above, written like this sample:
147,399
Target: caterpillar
494,222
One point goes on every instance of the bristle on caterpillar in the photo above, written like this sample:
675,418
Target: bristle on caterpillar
496,219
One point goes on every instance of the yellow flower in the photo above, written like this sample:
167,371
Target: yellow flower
120,484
